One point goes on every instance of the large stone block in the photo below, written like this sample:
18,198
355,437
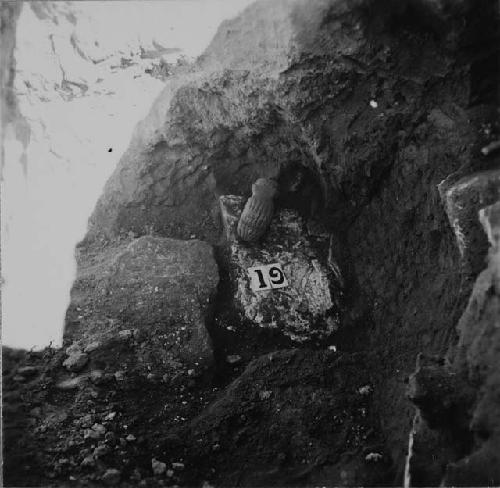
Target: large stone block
306,309
158,291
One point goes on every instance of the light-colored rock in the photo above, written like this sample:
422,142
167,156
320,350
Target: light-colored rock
75,348
96,432
490,220
111,477
92,347
233,358
158,467
365,390
463,199
126,334
99,428
76,362
27,371
72,383
88,461
120,376
265,394
96,376
305,309
373,457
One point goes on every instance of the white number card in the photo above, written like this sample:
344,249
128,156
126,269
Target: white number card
267,277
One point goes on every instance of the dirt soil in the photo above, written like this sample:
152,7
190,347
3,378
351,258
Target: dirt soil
294,417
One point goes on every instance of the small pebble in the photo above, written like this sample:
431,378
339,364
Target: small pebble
373,456
91,434
233,359
111,477
27,371
99,428
76,362
88,461
101,450
92,347
490,148
178,466
365,390
96,432
73,349
72,383
130,438
109,437
87,420
120,376
158,466
125,334
136,475
96,376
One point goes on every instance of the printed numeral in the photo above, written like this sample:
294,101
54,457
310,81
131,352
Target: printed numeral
267,277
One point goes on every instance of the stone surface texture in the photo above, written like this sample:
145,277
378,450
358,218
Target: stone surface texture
157,291
458,396
258,211
305,310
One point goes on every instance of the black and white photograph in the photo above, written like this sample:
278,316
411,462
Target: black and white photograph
250,243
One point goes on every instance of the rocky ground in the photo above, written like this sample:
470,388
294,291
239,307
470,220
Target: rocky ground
373,120
293,417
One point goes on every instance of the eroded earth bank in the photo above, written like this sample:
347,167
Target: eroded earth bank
379,363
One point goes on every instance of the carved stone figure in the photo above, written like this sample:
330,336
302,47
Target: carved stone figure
258,211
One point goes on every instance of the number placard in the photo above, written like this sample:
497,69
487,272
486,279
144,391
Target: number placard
267,277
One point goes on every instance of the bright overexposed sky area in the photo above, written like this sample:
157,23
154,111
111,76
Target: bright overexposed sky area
46,202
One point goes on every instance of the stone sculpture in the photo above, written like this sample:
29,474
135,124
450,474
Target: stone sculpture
258,211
